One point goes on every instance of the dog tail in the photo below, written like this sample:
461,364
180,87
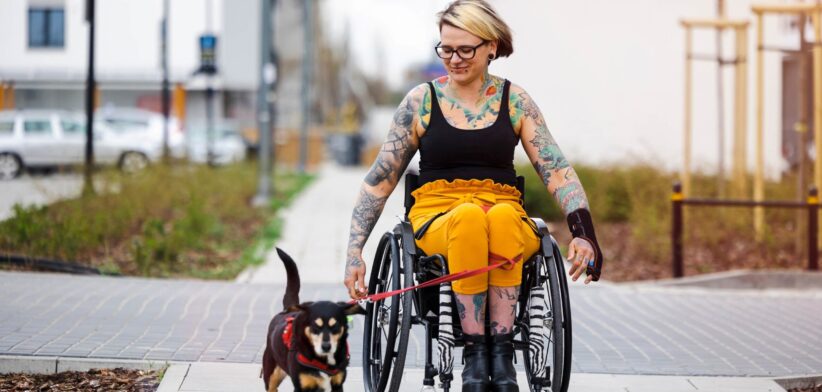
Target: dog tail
292,286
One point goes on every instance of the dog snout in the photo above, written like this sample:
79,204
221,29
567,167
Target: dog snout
326,346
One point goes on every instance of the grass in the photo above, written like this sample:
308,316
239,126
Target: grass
632,213
191,221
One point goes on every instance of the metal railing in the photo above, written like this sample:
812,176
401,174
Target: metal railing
678,201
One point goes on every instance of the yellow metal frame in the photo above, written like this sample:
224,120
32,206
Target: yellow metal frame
740,28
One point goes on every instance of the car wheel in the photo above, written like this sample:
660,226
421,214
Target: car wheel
133,162
10,166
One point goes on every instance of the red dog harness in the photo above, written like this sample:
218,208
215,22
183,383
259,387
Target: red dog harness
288,339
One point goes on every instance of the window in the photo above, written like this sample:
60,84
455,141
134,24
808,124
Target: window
6,128
73,128
46,27
37,128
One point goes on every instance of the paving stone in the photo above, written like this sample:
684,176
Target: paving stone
617,329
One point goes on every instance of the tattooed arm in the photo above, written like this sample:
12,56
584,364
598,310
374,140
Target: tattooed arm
400,145
557,174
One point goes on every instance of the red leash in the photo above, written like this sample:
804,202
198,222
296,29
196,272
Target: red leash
503,261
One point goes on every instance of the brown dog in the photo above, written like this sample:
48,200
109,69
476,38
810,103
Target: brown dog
308,341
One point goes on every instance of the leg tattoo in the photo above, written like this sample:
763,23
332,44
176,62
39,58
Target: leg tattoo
471,308
503,305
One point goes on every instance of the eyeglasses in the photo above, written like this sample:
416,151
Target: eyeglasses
463,52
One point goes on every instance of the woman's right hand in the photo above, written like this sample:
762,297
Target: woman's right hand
355,277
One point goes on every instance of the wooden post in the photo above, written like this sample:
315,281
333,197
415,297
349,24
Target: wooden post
759,179
813,227
817,99
739,148
740,101
686,166
2,96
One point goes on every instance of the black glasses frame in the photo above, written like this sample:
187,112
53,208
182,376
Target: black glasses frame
457,50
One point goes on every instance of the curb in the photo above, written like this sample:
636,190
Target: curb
173,378
796,382
50,365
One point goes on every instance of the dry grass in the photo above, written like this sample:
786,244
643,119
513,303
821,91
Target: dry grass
632,212
179,221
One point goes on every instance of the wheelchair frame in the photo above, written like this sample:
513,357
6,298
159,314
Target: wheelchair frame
398,263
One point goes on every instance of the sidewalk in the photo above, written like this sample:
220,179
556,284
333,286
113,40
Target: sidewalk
317,226
205,377
625,330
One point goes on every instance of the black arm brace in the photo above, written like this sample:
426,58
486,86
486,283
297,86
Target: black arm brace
581,226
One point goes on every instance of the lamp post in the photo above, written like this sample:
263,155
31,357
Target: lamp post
268,75
166,99
308,33
88,186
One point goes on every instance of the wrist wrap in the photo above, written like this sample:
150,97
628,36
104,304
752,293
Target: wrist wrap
581,226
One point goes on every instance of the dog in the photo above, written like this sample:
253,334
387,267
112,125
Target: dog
307,341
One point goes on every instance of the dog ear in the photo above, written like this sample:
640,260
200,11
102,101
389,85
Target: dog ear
351,309
299,308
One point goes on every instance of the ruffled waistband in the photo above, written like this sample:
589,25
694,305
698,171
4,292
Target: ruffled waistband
457,185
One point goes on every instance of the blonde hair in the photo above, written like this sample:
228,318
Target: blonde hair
479,18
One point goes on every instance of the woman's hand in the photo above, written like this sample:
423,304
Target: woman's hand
580,253
355,277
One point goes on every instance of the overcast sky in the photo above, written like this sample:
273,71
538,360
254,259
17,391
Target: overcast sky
405,30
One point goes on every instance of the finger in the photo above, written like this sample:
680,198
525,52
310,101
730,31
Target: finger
571,251
589,279
361,282
575,268
579,270
350,286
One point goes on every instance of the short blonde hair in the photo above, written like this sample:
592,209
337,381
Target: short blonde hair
479,18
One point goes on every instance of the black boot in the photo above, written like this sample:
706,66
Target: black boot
475,372
503,374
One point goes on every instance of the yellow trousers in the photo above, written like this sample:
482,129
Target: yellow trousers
481,217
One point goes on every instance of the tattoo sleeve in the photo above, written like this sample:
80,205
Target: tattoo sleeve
556,173
382,178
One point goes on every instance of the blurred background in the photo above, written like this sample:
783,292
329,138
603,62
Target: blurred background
608,75
196,81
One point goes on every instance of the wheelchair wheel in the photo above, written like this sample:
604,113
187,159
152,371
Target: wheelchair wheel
388,321
549,273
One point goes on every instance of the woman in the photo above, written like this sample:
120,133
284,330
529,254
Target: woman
466,126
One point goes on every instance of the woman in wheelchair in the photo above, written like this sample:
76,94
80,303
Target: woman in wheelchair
466,126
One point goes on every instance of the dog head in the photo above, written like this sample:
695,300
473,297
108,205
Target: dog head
323,326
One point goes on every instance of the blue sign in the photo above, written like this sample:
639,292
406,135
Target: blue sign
208,54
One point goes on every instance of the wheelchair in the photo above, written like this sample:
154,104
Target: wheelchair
542,326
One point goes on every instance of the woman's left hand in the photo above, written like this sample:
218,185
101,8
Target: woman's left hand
580,253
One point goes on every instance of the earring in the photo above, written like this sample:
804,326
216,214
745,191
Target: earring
491,56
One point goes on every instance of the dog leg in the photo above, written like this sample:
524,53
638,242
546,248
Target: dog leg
268,366
337,381
313,382
276,379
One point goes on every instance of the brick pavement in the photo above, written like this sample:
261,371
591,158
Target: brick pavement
617,329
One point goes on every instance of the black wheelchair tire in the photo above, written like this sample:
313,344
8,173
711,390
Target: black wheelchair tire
557,289
387,265
566,318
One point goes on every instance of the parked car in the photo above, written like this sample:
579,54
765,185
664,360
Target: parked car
146,125
228,146
40,138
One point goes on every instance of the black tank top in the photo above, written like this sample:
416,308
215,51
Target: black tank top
449,153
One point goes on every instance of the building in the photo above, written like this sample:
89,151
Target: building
44,46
